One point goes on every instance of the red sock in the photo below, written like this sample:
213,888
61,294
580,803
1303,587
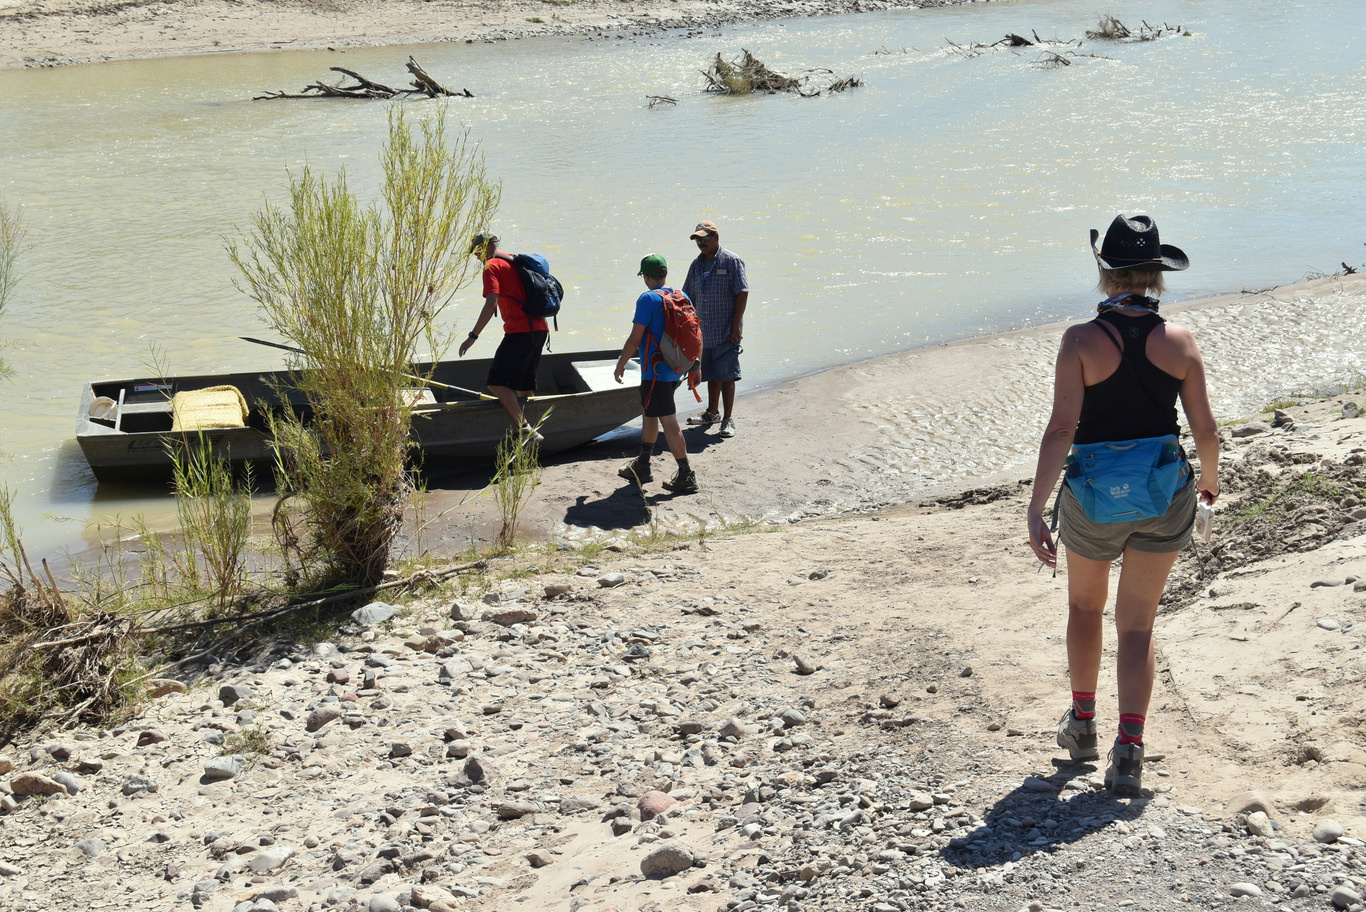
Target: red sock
1131,728
1083,705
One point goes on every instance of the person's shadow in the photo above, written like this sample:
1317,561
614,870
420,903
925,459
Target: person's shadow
627,507
1031,819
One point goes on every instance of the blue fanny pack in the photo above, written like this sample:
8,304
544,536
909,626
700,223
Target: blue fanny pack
1125,480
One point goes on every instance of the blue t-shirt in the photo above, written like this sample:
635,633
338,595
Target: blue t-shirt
650,314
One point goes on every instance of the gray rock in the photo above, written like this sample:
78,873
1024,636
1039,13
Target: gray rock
1351,410
1327,624
667,860
506,617
611,580
1344,897
1259,824
385,902
456,667
1247,802
513,810
91,848
277,893
1328,831
270,859
338,895
7,870
134,785
791,718
321,715
804,666
374,613
1251,429
1244,889
232,693
733,728
223,767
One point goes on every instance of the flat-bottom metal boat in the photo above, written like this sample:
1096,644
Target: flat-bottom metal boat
126,427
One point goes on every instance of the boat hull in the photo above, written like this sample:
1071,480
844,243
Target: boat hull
124,426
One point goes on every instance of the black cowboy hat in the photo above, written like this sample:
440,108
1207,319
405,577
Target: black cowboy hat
1132,243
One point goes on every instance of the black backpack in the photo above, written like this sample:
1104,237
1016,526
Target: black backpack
543,291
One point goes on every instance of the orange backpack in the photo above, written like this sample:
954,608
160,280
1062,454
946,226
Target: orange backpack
682,343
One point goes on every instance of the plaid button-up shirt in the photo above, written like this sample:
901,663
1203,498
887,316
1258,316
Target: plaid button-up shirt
712,286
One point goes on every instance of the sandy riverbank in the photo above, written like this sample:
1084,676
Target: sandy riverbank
65,32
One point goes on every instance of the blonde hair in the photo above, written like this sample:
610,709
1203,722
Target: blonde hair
1131,281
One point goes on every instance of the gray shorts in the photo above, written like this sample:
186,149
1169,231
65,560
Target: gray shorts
1106,541
721,362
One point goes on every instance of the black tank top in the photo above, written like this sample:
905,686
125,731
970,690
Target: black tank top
1139,399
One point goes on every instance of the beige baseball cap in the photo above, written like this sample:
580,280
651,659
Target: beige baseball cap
703,229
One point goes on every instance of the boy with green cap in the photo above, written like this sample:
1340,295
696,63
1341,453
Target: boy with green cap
658,382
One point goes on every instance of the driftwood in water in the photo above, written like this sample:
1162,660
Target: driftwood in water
660,99
747,74
1111,29
423,86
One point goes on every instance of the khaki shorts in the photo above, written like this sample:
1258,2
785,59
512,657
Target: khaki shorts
1106,541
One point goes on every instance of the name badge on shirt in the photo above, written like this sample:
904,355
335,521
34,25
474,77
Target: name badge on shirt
720,272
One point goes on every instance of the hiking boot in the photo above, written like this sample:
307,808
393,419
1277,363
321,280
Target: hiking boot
1124,775
636,471
1078,736
727,427
703,418
683,483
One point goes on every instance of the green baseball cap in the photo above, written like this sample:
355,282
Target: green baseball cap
653,265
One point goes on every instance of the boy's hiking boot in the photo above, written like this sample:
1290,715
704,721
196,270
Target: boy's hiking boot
636,471
1124,775
683,483
1078,736
703,418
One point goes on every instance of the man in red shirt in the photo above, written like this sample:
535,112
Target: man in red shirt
512,376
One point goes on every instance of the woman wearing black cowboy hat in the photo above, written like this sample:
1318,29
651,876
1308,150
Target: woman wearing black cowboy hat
1116,382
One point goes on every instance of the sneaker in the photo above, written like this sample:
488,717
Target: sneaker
683,483
727,428
1124,775
636,471
530,435
703,418
1078,736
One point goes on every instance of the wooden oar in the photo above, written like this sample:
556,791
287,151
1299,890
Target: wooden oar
300,351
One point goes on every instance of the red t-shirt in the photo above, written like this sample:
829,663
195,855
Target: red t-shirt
501,278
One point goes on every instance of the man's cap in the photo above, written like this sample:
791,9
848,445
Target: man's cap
653,265
481,239
703,229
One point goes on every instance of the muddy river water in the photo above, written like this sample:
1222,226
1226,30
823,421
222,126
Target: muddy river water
948,197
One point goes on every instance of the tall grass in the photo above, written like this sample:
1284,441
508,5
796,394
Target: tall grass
515,479
214,509
359,287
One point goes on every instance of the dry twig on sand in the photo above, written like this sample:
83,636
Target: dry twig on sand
423,86
747,74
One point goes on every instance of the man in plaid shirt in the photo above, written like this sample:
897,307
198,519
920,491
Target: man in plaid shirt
717,286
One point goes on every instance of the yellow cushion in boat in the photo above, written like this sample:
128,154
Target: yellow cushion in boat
208,408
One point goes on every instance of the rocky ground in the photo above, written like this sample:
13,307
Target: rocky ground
843,713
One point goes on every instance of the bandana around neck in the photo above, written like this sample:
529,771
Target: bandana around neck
1128,300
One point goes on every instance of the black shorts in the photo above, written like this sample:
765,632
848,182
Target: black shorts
657,398
516,361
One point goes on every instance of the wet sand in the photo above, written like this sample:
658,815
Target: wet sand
907,427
